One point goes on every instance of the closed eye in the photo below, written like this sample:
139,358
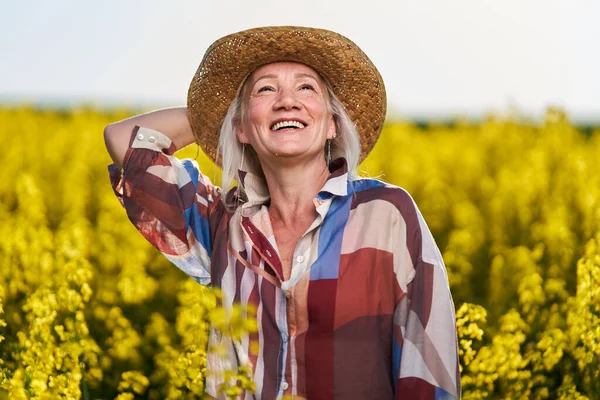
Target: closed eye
307,86
266,88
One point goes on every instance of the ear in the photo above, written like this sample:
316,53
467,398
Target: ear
239,132
331,129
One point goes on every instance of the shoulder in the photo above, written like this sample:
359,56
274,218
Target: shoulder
381,201
371,191
376,197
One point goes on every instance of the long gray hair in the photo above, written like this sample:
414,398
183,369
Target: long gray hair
231,151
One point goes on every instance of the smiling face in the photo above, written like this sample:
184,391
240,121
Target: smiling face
285,113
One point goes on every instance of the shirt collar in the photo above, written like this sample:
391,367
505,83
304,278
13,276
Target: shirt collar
257,191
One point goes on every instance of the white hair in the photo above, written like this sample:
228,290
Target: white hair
232,153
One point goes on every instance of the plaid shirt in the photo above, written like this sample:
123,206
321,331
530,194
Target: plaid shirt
367,311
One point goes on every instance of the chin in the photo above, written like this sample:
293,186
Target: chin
288,151
294,154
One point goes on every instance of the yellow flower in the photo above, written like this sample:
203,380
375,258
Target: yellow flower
134,381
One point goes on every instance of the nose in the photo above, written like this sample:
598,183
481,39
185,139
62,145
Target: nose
286,99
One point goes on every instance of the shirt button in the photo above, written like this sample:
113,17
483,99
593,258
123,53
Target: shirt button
140,136
284,385
300,259
152,139
285,337
287,293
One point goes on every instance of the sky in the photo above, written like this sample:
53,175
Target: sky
437,58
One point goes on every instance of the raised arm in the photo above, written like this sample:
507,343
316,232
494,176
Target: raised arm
169,200
173,122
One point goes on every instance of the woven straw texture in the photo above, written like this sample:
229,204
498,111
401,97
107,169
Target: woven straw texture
229,60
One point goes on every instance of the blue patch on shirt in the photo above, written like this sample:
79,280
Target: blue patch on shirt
364,184
324,196
396,357
441,394
327,264
200,226
192,170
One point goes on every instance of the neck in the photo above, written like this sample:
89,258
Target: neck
292,189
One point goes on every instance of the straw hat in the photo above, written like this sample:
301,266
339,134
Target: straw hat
229,60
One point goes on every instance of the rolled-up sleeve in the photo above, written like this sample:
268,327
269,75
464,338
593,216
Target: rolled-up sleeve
168,200
425,351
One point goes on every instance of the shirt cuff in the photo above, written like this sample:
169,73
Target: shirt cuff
146,138
141,138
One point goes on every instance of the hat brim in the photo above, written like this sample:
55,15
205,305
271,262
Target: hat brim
228,61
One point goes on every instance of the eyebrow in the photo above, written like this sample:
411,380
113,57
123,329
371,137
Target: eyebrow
269,76
303,75
298,75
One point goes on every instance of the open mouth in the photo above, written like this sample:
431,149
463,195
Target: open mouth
281,125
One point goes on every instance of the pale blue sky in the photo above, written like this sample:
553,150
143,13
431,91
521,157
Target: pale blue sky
436,57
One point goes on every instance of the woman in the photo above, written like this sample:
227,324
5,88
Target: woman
350,289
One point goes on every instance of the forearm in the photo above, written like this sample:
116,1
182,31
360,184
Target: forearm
173,122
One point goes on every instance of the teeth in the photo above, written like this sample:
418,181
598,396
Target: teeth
279,125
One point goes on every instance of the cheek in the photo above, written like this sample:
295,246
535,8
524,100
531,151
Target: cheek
316,106
256,111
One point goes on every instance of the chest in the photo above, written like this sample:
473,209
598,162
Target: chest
287,239
343,237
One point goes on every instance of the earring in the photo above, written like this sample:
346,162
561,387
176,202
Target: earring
329,148
243,150
239,186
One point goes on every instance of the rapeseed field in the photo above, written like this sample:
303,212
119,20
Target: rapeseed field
88,309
